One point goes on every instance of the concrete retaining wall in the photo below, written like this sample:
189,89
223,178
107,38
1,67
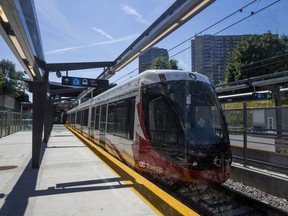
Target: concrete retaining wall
273,185
8,102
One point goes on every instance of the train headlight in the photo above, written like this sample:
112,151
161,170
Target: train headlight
194,164
217,161
193,77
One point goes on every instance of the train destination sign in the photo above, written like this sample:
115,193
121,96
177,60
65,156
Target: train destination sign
84,82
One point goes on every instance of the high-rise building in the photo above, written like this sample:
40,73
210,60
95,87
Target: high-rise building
147,57
211,54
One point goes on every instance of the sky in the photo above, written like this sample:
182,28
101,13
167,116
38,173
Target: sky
93,30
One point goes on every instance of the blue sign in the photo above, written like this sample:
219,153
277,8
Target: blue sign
84,82
262,96
76,81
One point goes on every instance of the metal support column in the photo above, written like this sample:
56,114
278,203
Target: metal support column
48,123
21,118
39,98
278,104
245,133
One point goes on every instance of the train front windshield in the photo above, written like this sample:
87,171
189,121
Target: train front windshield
184,113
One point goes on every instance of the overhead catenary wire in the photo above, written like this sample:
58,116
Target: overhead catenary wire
263,60
251,14
216,23
272,63
221,20
126,74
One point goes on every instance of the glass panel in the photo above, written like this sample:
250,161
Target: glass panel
97,118
103,118
111,127
184,108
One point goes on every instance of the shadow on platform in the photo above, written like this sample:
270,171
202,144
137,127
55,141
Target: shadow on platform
16,202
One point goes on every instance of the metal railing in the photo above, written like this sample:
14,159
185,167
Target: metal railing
259,134
13,121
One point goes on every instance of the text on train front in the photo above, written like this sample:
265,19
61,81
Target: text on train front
185,123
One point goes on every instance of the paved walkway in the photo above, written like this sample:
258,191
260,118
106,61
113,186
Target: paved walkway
70,181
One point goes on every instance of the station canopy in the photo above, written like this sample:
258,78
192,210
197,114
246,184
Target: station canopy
19,28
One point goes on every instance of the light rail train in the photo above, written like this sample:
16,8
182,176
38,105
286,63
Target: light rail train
164,123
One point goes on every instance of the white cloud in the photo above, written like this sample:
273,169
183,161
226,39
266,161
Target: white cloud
126,38
102,32
133,12
55,20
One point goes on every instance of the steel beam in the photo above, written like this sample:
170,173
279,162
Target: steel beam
53,67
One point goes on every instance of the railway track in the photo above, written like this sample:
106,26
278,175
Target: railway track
221,200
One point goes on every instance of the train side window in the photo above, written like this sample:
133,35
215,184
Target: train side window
93,117
85,117
82,117
121,113
125,118
103,118
78,116
121,118
131,112
72,120
97,118
111,122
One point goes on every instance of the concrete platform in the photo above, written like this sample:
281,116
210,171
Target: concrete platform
70,181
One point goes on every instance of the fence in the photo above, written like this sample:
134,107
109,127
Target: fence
259,130
13,121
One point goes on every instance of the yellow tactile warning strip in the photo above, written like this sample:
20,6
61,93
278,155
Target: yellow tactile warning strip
160,201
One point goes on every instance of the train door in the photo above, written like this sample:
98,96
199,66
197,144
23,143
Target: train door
103,119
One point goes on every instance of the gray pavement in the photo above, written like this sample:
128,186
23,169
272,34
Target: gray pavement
71,180
262,143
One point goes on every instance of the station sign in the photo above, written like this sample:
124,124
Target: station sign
262,96
84,82
246,97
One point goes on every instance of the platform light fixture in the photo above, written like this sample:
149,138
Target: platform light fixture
20,51
3,15
194,10
160,36
17,46
128,61
170,29
31,70
175,16
147,46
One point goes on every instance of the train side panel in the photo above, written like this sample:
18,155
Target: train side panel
154,124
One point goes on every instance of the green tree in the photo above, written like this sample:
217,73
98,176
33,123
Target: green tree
11,81
258,55
163,63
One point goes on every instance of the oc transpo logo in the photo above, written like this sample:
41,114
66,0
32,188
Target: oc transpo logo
145,165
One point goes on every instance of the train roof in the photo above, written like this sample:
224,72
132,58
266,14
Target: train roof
146,77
